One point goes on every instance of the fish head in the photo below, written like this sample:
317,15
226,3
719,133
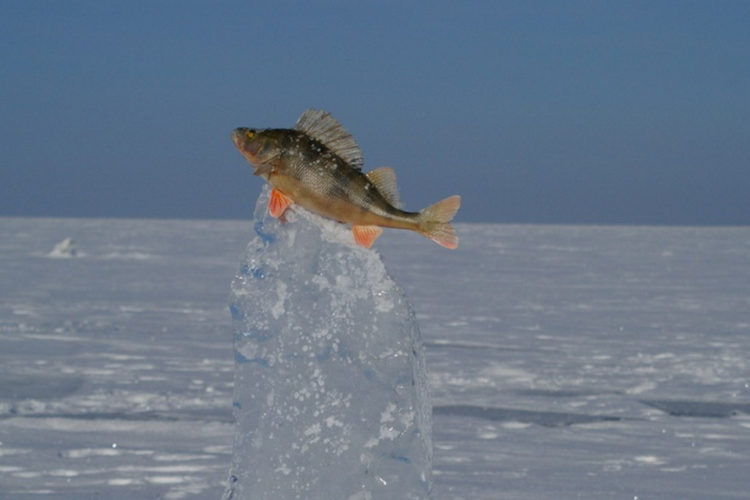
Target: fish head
257,146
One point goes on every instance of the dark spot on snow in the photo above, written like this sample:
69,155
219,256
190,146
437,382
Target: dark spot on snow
240,359
704,409
145,416
40,387
543,418
544,393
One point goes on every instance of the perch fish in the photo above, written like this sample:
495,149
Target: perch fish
318,166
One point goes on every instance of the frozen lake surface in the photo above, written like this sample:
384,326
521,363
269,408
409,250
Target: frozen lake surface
565,362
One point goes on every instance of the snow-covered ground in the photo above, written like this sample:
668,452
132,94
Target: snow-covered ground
565,362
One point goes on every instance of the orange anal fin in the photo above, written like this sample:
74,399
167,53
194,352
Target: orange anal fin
366,235
278,203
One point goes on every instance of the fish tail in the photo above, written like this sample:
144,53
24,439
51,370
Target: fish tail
435,222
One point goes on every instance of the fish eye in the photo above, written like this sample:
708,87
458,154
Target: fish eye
250,134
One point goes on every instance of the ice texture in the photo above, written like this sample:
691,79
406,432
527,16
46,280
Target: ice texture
330,397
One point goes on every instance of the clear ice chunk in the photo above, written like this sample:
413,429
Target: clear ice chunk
330,396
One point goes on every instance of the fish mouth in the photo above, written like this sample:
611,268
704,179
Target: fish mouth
238,136
248,151
240,139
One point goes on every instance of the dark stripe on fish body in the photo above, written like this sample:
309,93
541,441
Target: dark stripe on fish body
347,184
372,195
336,191
362,192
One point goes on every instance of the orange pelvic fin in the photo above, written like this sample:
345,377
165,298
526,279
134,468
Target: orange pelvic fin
436,222
278,203
366,235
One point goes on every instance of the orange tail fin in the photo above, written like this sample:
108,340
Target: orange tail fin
436,220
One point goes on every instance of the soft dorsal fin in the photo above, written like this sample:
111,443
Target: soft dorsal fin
325,128
384,178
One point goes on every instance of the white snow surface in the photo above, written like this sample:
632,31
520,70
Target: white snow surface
564,362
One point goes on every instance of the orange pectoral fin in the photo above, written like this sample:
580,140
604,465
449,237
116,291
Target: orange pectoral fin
366,235
278,203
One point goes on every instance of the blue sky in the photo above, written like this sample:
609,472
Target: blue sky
579,112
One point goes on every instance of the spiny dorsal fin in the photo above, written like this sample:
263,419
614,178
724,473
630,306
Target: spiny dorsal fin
325,128
384,178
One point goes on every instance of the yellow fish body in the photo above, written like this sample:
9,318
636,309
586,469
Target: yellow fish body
318,166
